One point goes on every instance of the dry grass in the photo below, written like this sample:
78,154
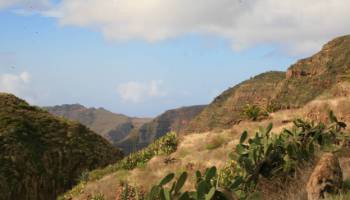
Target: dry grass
282,188
193,154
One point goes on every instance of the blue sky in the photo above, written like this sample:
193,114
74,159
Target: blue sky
49,59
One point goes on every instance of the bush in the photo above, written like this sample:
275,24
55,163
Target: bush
254,112
215,143
98,196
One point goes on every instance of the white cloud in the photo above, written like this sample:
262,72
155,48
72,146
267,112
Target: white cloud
17,84
298,26
137,92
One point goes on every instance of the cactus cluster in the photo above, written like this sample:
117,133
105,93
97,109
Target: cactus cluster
268,154
263,155
206,187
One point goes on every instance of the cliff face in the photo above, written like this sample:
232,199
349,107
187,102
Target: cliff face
41,156
303,82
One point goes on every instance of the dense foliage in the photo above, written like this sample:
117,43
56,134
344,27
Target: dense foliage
42,156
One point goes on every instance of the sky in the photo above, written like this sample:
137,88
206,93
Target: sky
142,57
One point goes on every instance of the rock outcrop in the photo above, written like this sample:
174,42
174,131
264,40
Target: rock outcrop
327,178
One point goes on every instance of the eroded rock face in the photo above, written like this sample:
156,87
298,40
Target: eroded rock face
326,178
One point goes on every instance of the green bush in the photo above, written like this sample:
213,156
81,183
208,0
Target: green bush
253,112
215,143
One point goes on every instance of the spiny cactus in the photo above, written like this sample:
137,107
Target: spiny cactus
206,187
263,155
269,155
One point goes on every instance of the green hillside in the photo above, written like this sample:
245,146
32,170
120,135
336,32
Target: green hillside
41,155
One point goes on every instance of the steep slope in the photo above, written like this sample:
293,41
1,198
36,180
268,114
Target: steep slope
303,82
114,127
41,155
171,120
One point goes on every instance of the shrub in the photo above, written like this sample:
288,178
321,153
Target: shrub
215,143
253,112
98,196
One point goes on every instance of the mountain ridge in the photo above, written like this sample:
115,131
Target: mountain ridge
303,81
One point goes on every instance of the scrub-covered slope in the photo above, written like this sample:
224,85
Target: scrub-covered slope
303,82
112,126
41,156
171,120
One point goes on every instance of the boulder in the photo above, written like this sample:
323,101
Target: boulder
327,178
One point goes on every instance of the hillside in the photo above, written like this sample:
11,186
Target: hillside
113,127
303,82
171,120
41,155
298,101
200,151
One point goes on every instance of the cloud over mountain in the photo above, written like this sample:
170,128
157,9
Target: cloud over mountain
136,92
17,84
295,25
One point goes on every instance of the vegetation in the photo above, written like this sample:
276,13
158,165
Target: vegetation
163,146
206,187
264,155
171,120
113,127
254,112
43,156
303,82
